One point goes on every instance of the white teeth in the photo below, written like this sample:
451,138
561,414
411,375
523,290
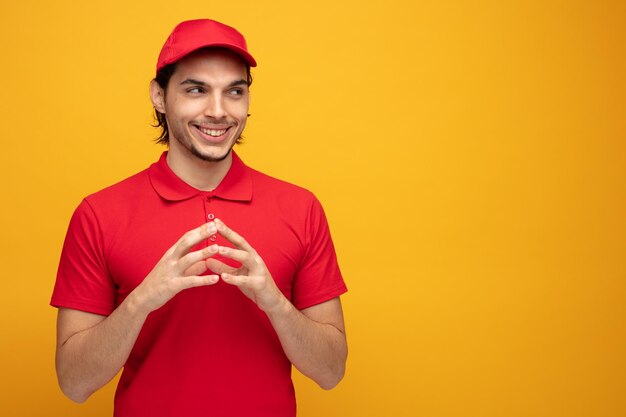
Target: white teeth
212,132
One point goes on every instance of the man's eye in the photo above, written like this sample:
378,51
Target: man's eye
236,92
195,90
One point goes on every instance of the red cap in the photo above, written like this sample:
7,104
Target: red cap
196,34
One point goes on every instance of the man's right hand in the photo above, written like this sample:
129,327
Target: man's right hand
177,270
91,348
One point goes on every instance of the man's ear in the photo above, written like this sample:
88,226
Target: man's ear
157,95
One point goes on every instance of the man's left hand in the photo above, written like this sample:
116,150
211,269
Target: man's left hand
252,277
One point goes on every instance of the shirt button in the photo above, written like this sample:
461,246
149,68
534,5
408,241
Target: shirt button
213,238
211,216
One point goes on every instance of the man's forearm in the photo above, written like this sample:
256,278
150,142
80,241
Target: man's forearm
318,350
92,349
90,358
313,339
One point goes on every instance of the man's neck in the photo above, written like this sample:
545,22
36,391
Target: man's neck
200,174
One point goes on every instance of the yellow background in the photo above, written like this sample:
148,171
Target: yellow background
470,157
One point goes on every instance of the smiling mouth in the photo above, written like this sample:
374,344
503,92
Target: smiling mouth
212,132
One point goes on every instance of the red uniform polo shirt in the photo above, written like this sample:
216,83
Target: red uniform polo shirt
209,351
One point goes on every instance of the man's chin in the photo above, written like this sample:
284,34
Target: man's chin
211,157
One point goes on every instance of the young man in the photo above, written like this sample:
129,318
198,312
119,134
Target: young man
202,278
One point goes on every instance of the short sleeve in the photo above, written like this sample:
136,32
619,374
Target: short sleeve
318,278
83,282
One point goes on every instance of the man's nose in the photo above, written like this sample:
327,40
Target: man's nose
215,107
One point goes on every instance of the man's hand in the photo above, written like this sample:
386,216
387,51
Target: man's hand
252,277
177,270
91,348
313,339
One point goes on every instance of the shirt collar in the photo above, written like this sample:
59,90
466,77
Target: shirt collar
236,185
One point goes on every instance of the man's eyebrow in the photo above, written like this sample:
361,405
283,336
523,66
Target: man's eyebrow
202,83
192,81
238,82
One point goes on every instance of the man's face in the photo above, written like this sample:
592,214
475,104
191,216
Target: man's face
206,104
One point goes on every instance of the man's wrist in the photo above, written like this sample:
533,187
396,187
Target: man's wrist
135,307
281,308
